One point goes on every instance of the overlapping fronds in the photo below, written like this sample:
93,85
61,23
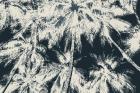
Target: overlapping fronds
44,45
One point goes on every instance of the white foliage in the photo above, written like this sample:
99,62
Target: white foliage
106,76
51,20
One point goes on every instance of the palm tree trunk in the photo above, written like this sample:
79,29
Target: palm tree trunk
71,64
125,55
20,61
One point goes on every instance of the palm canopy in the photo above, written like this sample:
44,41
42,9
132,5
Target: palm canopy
87,16
51,22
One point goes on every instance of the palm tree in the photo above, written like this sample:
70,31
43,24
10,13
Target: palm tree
106,77
57,26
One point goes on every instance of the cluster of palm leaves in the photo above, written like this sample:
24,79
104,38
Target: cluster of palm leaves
68,46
